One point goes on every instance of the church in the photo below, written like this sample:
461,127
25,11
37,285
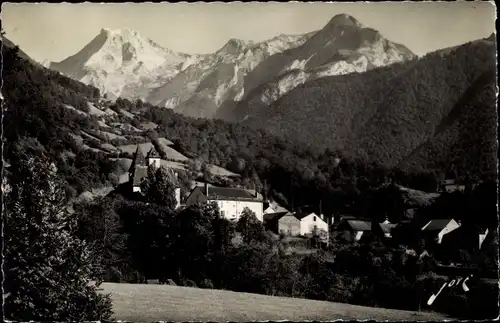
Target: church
139,169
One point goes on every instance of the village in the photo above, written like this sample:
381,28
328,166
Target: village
307,231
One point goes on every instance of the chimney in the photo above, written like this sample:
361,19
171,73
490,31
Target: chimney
206,189
176,175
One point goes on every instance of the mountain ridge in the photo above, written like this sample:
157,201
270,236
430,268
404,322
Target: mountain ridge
343,46
123,63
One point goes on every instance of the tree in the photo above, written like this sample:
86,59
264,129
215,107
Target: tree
47,268
101,227
159,187
250,227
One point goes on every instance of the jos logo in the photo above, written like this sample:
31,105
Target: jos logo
454,283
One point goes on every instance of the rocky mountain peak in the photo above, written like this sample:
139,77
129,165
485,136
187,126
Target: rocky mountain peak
344,20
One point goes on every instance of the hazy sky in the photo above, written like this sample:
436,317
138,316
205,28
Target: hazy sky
56,31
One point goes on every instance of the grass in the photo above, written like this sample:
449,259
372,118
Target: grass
165,142
219,171
148,303
170,152
144,147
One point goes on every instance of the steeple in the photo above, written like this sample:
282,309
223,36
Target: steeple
138,159
152,153
153,158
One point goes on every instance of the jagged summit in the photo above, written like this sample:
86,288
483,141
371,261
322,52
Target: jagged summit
233,46
119,58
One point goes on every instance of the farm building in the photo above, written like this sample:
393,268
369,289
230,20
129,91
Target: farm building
296,224
356,230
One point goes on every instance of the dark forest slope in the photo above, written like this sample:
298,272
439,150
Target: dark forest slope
385,114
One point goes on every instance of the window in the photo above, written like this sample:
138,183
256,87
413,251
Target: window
223,213
314,218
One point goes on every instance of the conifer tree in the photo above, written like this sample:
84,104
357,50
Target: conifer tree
48,270
159,187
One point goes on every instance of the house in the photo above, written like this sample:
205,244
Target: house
450,186
434,231
271,222
296,224
139,170
231,201
357,230
311,223
467,237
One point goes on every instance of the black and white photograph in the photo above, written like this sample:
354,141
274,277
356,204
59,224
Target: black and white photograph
249,161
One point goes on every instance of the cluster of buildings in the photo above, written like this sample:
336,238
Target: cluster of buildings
232,202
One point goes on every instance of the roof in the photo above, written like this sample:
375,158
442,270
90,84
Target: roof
139,159
274,216
358,225
276,207
153,153
223,193
436,225
139,174
387,227
300,216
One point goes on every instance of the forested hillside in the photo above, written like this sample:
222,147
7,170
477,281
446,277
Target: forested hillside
385,114
34,99
296,169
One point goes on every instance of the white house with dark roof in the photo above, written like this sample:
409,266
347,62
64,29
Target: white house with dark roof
297,224
231,201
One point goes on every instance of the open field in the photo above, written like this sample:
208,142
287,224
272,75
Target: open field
129,127
148,303
219,171
165,142
127,114
149,126
170,152
95,111
112,136
145,148
173,164
74,109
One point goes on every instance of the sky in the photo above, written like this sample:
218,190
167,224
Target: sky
56,31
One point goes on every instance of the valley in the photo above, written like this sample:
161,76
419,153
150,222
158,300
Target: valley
332,171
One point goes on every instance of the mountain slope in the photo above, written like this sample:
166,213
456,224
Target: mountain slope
384,114
468,131
9,44
343,46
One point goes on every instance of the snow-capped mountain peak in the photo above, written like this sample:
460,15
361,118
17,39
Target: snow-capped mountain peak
119,58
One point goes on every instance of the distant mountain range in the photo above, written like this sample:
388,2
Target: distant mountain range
123,63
